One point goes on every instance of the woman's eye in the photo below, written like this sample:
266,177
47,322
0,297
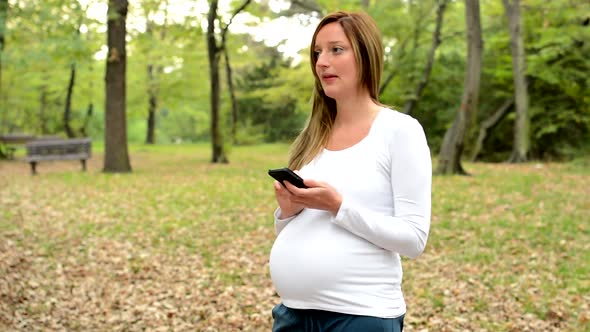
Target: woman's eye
337,49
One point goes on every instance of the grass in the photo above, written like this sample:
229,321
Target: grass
181,244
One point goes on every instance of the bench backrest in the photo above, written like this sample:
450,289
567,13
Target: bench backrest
52,149
16,138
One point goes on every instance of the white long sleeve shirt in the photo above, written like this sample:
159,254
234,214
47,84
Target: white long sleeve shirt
350,263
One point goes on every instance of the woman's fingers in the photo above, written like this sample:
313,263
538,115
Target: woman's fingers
293,189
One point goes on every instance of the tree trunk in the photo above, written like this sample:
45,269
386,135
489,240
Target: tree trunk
43,107
116,157
90,108
413,101
214,51
520,149
365,4
154,72
414,14
68,106
3,17
151,90
453,142
83,128
232,95
489,124
218,150
152,104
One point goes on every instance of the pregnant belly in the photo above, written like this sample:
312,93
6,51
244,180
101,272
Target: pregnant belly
315,259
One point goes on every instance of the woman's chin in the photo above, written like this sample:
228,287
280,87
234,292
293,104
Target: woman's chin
331,93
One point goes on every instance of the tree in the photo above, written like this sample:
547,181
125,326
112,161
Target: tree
453,141
154,72
68,104
214,51
413,101
270,94
3,16
488,124
70,90
521,145
232,93
116,157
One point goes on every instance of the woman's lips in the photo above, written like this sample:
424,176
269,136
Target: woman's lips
329,78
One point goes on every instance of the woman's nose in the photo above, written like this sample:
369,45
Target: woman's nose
322,60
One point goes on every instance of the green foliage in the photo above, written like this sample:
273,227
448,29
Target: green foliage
36,65
559,107
44,38
555,40
270,98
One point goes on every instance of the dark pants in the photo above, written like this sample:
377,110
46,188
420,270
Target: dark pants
300,320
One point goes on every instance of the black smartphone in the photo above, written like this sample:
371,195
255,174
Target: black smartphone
285,174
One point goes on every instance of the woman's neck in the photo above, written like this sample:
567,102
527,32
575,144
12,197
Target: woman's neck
355,110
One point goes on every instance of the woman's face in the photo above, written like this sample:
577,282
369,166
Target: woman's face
335,62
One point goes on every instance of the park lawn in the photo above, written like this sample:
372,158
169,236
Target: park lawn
181,244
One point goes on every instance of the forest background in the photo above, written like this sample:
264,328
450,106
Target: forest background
54,55
195,100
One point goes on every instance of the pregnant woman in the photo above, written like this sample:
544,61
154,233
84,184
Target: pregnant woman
335,262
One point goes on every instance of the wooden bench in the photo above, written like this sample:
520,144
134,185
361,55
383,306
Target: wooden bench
58,149
9,142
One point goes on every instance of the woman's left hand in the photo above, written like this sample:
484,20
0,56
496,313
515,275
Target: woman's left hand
319,195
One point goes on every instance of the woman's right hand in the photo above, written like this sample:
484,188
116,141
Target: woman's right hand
284,199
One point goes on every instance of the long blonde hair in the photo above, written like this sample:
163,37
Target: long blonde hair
365,38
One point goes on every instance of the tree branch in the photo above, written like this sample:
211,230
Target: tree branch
242,7
411,103
490,123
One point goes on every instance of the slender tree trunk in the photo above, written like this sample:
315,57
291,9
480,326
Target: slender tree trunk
116,157
416,30
154,72
218,150
151,91
152,105
520,150
3,17
68,107
232,95
83,128
214,51
365,4
453,142
42,108
90,108
68,104
488,124
413,101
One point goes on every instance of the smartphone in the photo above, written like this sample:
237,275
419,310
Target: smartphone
285,174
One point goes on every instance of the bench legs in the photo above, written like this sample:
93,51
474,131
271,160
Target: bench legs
33,167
